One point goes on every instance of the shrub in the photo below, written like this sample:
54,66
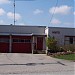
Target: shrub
61,49
70,47
52,45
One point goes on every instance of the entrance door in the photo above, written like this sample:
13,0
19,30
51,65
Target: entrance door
39,43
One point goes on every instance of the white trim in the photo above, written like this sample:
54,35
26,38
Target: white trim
4,34
37,34
23,34
32,34
16,34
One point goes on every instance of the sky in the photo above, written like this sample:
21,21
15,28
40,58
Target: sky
52,13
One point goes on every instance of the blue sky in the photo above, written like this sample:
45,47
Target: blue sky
38,13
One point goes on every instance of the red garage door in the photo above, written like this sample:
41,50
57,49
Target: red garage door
4,44
21,44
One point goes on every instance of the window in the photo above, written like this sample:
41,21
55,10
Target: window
4,40
27,40
15,40
22,40
71,40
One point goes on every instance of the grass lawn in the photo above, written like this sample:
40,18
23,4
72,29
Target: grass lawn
67,57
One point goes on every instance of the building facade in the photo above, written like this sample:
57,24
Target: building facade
25,39
22,39
62,35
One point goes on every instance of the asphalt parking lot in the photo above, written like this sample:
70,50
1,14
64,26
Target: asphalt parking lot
34,64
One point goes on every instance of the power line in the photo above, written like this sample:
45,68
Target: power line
53,12
34,0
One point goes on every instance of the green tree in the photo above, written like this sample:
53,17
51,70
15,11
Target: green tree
51,44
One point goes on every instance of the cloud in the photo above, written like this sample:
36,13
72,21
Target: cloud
21,24
55,21
4,1
1,22
64,9
74,13
38,11
2,11
11,15
68,23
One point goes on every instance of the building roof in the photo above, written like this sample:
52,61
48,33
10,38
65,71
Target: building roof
11,29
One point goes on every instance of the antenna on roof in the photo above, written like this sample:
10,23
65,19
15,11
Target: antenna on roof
14,7
14,12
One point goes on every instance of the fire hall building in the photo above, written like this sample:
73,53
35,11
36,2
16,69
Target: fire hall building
25,39
22,39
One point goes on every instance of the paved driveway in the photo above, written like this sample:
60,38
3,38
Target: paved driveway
34,64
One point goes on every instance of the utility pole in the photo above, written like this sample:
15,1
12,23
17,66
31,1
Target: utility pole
14,12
